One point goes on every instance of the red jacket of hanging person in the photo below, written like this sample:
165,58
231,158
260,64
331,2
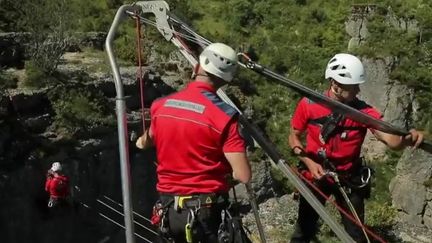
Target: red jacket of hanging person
57,186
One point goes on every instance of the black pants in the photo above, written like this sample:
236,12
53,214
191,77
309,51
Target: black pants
307,227
207,221
59,207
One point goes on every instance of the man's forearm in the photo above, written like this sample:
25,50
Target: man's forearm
298,149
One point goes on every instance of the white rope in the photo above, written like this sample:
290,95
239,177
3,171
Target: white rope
113,209
121,205
348,201
116,223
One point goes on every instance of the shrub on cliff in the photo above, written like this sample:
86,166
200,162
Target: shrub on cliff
79,109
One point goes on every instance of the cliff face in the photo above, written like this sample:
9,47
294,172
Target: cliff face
28,146
410,189
394,100
29,143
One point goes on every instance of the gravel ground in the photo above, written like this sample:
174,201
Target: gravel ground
277,216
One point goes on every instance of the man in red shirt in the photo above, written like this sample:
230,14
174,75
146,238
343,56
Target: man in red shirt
57,185
199,148
333,143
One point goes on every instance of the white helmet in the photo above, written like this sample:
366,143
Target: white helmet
56,166
345,69
219,60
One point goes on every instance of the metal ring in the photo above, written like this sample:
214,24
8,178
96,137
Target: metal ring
365,177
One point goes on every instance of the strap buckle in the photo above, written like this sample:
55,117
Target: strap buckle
179,201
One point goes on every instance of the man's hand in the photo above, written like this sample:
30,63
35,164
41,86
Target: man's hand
315,169
145,141
414,138
397,142
139,143
50,174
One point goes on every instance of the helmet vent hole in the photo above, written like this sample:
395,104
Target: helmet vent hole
338,67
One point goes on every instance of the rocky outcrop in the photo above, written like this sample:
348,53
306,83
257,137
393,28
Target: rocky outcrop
278,216
411,189
13,46
394,100
356,25
93,40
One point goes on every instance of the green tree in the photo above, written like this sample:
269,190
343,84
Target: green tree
48,23
8,15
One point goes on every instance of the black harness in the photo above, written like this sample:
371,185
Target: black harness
331,126
230,229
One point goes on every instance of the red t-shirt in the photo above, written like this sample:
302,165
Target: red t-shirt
57,186
192,129
343,148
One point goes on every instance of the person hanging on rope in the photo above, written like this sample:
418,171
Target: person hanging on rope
333,144
198,148
57,186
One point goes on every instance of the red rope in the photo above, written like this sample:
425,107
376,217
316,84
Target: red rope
183,44
339,208
140,76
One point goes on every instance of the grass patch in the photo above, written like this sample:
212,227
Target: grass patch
384,172
207,21
380,215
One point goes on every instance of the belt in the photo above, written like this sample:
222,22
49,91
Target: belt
195,200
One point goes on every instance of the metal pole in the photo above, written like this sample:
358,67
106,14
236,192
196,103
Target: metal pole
348,111
122,126
255,209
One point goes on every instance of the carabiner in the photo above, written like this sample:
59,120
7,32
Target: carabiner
365,177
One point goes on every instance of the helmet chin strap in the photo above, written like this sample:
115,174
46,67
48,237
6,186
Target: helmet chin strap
201,75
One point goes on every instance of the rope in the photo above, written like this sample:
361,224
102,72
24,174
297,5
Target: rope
255,209
140,76
348,201
114,222
115,210
135,213
339,208
192,37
